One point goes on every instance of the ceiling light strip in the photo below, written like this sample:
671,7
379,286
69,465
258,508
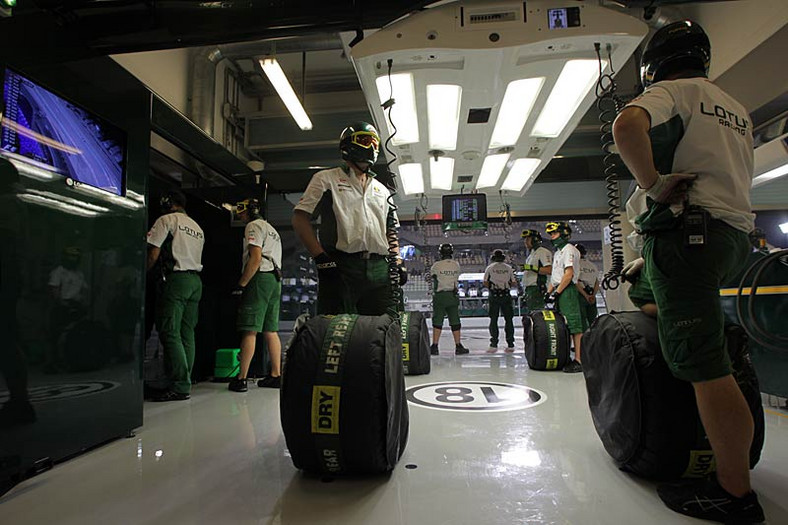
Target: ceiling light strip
403,112
443,115
277,77
779,171
491,170
521,174
412,178
441,173
518,100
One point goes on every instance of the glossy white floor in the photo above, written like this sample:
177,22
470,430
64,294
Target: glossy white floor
220,458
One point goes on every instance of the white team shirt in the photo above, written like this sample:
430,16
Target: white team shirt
563,259
187,239
708,133
448,272
360,214
588,273
260,233
499,274
540,256
70,284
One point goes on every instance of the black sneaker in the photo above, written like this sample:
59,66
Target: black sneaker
434,350
238,385
169,395
459,349
573,367
705,499
270,382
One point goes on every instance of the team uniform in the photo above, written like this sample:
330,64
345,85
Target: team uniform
570,302
181,240
589,275
500,276
445,301
696,128
353,233
534,283
259,308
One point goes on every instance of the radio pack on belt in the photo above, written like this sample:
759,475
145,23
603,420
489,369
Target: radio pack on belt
342,400
694,222
546,339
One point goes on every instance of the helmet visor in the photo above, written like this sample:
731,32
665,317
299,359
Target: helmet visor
365,139
551,227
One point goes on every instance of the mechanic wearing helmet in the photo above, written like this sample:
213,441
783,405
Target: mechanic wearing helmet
179,240
562,291
260,291
587,284
538,265
358,229
499,278
683,129
444,275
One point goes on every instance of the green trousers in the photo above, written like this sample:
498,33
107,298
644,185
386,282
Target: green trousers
501,303
363,288
177,313
534,298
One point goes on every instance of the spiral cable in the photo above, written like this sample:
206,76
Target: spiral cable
396,305
609,104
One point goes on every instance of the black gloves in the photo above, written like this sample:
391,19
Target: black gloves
551,298
237,291
403,275
326,267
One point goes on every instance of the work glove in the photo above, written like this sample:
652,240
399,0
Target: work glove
531,268
326,267
551,298
403,275
672,188
238,291
632,270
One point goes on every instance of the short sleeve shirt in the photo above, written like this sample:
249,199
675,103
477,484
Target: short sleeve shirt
448,272
70,284
354,218
499,274
540,256
566,257
187,240
588,273
699,129
260,233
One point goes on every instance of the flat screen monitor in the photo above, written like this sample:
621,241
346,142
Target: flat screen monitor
563,17
407,252
465,211
40,128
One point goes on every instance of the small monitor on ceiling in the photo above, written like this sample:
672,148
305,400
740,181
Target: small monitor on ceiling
466,211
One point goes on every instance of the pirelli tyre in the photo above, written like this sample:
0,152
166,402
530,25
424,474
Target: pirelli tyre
415,343
546,339
647,419
342,399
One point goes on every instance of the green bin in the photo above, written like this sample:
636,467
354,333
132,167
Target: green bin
227,364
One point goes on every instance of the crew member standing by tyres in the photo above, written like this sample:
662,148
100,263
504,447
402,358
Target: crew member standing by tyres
588,284
683,129
358,229
562,291
538,266
179,240
260,290
444,275
499,278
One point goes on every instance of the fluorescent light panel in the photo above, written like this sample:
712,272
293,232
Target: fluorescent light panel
441,173
277,77
573,84
779,171
518,100
520,174
443,115
491,170
403,112
412,178
784,228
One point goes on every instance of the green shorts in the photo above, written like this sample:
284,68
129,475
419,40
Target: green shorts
640,292
570,304
686,285
445,304
259,308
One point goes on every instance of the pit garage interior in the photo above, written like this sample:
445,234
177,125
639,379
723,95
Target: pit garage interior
180,92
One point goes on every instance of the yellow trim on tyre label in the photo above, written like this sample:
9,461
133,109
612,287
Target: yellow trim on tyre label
325,409
548,315
551,364
701,463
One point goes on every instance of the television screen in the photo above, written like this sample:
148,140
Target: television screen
41,128
465,208
407,252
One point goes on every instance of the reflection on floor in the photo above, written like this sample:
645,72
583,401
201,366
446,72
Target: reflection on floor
221,458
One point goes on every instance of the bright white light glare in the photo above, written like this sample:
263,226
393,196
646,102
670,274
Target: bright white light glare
491,170
779,171
277,77
520,174
69,200
521,458
443,115
56,205
403,112
573,84
516,107
159,453
412,178
441,173
784,228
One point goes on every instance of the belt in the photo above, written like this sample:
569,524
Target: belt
266,271
359,255
188,271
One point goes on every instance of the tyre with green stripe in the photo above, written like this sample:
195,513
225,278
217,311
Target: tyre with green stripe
546,338
415,343
342,400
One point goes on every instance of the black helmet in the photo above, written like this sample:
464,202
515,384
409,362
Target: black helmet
557,226
251,205
498,256
360,142
535,236
678,46
581,249
172,198
446,250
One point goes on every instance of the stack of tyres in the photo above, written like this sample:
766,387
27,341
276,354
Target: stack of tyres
415,343
343,406
647,419
547,340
